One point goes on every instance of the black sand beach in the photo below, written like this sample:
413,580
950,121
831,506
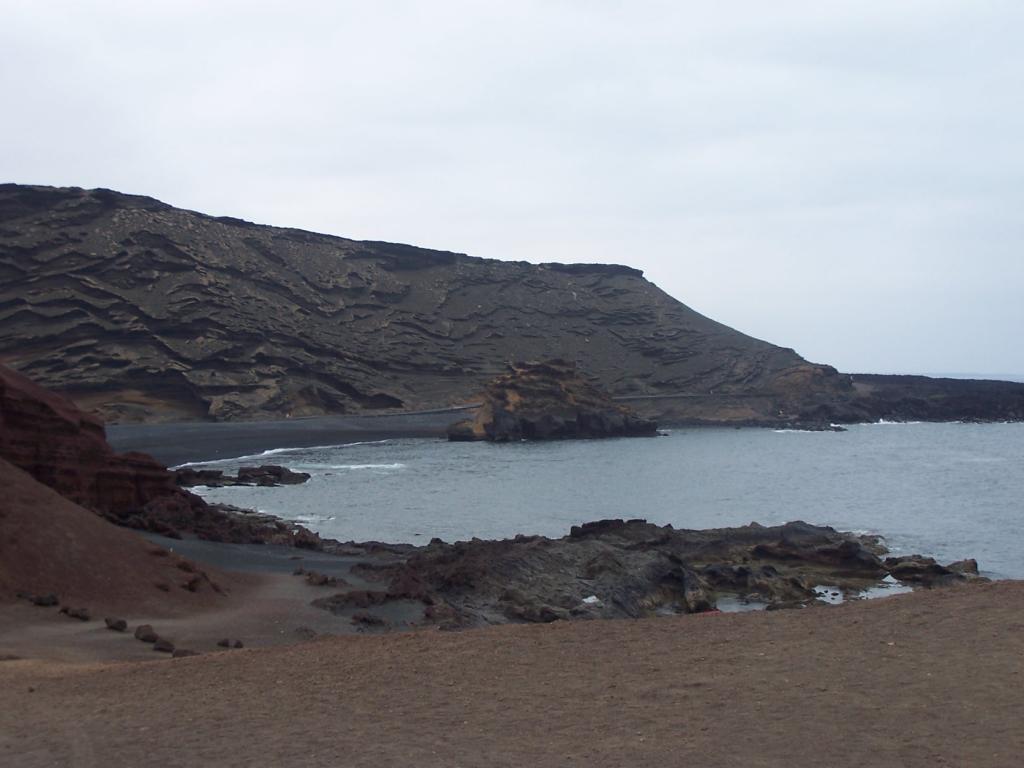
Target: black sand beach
178,443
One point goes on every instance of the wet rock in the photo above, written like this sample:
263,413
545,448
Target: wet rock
146,633
966,567
117,625
266,475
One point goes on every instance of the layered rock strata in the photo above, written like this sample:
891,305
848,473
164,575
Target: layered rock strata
548,401
60,446
140,311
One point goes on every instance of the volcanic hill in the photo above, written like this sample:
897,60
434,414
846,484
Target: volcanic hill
139,311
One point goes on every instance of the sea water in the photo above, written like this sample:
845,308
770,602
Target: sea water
947,490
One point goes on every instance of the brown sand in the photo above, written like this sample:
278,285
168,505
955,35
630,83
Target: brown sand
929,679
51,545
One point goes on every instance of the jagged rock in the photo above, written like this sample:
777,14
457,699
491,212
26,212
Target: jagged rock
628,568
117,625
548,401
266,475
146,633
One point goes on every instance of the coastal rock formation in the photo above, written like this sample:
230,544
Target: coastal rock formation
141,311
66,449
619,569
268,475
548,401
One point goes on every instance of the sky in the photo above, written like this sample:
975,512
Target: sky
842,178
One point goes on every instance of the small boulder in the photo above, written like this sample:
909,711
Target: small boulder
180,653
117,625
163,646
238,644
45,601
146,633
82,614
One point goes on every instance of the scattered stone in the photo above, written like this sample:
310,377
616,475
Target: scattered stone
146,633
82,614
44,601
323,580
181,653
163,646
238,644
224,643
117,625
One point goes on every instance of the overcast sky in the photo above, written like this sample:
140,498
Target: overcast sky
844,178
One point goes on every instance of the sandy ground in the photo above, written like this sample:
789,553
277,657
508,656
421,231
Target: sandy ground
929,679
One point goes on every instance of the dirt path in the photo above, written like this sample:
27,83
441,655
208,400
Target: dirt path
930,679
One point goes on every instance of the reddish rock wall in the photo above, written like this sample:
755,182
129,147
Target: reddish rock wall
48,437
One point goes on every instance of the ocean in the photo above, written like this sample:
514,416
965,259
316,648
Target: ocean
947,490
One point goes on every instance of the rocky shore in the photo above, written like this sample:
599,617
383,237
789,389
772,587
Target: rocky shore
548,401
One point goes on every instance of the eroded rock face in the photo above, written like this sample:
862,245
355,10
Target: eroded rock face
60,446
140,311
548,401
618,569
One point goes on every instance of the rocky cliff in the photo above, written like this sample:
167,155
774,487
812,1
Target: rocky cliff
140,311
46,436
548,401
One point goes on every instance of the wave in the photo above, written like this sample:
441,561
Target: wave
276,452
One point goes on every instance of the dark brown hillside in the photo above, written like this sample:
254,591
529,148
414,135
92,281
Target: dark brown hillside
141,311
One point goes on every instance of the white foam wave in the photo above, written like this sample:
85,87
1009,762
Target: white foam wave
276,452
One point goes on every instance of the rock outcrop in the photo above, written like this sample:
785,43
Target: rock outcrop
66,449
268,475
620,569
140,311
548,401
